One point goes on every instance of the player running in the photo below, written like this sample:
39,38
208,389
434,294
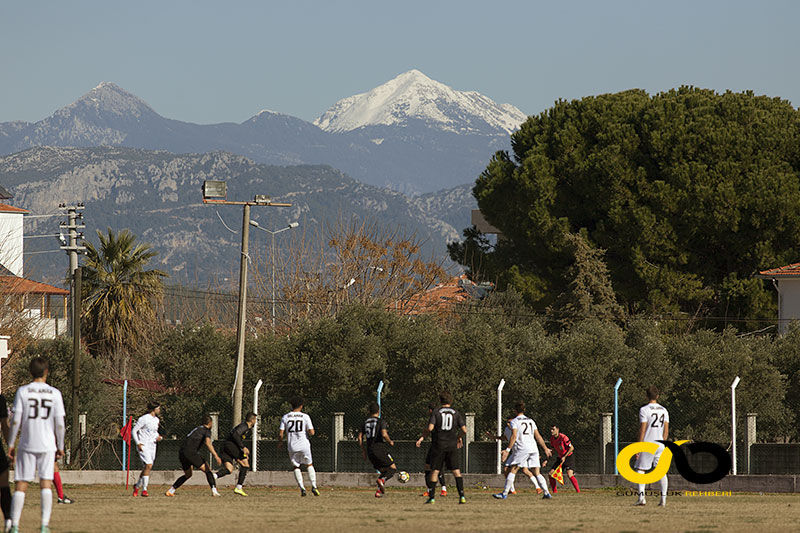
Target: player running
297,426
653,426
442,481
522,446
507,463
39,420
234,451
447,428
375,432
145,435
566,457
190,458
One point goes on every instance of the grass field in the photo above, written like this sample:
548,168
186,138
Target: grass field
104,508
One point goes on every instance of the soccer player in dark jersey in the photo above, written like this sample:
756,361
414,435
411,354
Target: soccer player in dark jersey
234,451
189,456
566,457
447,428
442,481
375,435
5,490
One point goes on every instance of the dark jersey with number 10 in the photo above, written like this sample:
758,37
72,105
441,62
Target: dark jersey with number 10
373,430
447,423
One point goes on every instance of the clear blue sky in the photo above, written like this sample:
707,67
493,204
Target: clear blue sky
207,62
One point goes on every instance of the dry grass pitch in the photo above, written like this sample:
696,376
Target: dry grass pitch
105,508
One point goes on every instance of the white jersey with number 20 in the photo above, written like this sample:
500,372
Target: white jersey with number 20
296,424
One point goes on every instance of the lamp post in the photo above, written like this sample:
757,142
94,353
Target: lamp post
272,253
216,192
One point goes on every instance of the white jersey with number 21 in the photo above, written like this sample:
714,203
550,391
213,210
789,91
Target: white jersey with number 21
525,428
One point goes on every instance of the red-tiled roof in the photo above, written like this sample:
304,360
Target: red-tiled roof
11,209
17,285
788,271
441,297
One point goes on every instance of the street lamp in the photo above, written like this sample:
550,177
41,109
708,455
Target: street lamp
272,253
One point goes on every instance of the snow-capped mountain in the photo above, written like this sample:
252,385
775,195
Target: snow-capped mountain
413,95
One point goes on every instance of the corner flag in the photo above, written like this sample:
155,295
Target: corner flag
125,433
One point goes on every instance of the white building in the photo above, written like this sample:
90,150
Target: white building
786,280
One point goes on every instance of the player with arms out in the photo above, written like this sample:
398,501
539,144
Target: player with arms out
39,421
145,435
653,427
375,435
190,458
523,450
296,425
447,428
234,451
566,457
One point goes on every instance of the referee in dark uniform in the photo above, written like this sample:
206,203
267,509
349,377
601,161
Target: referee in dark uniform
189,456
375,434
447,428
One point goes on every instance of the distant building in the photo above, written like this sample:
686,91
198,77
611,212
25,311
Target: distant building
45,306
441,298
786,280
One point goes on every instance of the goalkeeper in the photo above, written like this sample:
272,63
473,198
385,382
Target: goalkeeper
234,451
566,457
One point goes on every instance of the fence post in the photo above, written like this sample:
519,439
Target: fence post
605,440
214,432
733,423
82,433
338,435
500,424
469,438
749,439
254,451
616,424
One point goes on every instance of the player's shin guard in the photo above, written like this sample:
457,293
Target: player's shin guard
222,472
298,476
242,475
180,481
47,506
145,482
312,476
17,503
5,502
543,483
442,482
59,486
641,487
575,483
509,482
388,473
210,478
460,485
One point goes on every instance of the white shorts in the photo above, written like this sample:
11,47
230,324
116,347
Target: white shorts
300,456
147,455
524,459
27,463
646,461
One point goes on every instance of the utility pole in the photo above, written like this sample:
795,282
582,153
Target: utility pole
73,224
216,192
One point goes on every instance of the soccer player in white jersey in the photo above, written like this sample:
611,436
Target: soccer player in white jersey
296,425
145,435
523,450
653,427
39,420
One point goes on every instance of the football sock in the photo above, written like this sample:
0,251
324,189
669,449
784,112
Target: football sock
642,486
543,483
17,502
57,483
210,478
460,485
242,475
533,481
145,481
441,479
431,487
178,482
509,482
388,473
553,485
663,483
47,506
298,476
223,472
312,476
575,483
5,502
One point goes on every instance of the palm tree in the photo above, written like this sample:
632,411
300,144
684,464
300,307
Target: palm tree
119,295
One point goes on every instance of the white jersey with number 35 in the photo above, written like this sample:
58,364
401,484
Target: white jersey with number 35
525,428
655,415
36,407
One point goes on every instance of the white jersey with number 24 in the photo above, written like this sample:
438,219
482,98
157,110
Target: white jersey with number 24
655,415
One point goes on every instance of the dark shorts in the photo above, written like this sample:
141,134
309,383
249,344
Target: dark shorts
231,453
569,463
380,457
190,459
445,457
3,460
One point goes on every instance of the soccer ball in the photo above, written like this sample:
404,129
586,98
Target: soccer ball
403,477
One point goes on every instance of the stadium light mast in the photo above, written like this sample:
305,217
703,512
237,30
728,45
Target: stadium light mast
216,192
272,253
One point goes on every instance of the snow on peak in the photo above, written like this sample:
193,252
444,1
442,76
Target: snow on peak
415,95
110,98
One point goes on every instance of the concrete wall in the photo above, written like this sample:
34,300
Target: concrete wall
11,242
788,303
